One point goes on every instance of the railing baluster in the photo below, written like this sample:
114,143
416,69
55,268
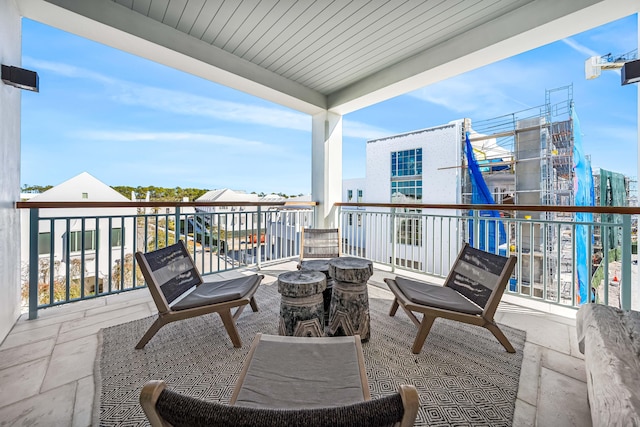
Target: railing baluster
34,265
625,283
110,256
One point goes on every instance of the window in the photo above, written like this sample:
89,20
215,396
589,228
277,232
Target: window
359,220
409,191
75,241
349,195
410,231
44,243
350,219
359,196
406,163
116,237
85,195
406,174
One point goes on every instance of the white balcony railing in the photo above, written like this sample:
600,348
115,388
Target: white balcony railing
562,260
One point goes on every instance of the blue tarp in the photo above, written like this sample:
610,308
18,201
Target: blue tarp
482,196
583,195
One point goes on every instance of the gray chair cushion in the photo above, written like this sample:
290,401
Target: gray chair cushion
216,292
436,296
320,372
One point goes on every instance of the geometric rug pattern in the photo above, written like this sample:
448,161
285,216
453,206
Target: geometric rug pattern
463,375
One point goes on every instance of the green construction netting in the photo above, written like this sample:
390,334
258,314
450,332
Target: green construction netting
612,193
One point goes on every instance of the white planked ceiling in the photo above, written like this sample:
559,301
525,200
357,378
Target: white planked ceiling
336,55
324,45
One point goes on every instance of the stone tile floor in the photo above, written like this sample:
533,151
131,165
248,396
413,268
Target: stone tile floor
46,365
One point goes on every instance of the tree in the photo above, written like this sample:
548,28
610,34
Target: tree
26,188
160,193
122,275
59,281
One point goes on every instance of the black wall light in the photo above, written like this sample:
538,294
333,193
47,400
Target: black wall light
20,78
631,72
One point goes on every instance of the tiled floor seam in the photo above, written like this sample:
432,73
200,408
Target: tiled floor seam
50,357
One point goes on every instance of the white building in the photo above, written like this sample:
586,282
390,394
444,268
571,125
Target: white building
414,167
281,225
352,230
231,217
61,241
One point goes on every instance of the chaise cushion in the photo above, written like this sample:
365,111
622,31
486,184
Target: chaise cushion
436,296
321,372
216,292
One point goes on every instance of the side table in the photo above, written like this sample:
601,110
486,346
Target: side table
301,306
321,265
349,310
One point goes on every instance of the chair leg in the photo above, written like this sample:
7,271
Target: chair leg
155,327
423,331
238,312
394,307
500,336
230,326
253,304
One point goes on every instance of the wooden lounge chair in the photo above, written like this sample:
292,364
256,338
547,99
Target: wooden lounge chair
179,291
290,381
317,247
319,243
471,294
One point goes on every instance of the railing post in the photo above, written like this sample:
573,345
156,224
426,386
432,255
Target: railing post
394,239
625,285
177,226
476,229
259,238
338,222
33,262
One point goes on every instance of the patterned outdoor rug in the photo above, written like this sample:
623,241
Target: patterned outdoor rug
463,375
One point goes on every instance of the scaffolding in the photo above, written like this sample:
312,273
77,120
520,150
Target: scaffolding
540,171
528,155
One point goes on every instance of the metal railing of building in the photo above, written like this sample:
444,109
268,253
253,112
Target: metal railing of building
87,255
427,238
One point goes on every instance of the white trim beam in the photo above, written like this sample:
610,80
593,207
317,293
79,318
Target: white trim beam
112,24
528,27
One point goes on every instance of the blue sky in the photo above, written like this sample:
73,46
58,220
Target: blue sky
129,121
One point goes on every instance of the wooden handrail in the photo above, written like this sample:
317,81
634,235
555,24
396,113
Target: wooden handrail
132,204
291,204
517,208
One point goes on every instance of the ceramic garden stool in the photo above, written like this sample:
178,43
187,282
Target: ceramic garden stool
321,265
301,306
349,309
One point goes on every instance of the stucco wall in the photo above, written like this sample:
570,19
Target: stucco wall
441,151
10,54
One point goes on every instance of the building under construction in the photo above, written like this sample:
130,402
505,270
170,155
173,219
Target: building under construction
529,158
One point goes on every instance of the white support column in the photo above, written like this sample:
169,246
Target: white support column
10,54
326,167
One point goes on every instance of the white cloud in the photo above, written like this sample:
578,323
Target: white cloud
580,48
128,136
67,70
487,92
194,105
187,104
363,130
178,102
